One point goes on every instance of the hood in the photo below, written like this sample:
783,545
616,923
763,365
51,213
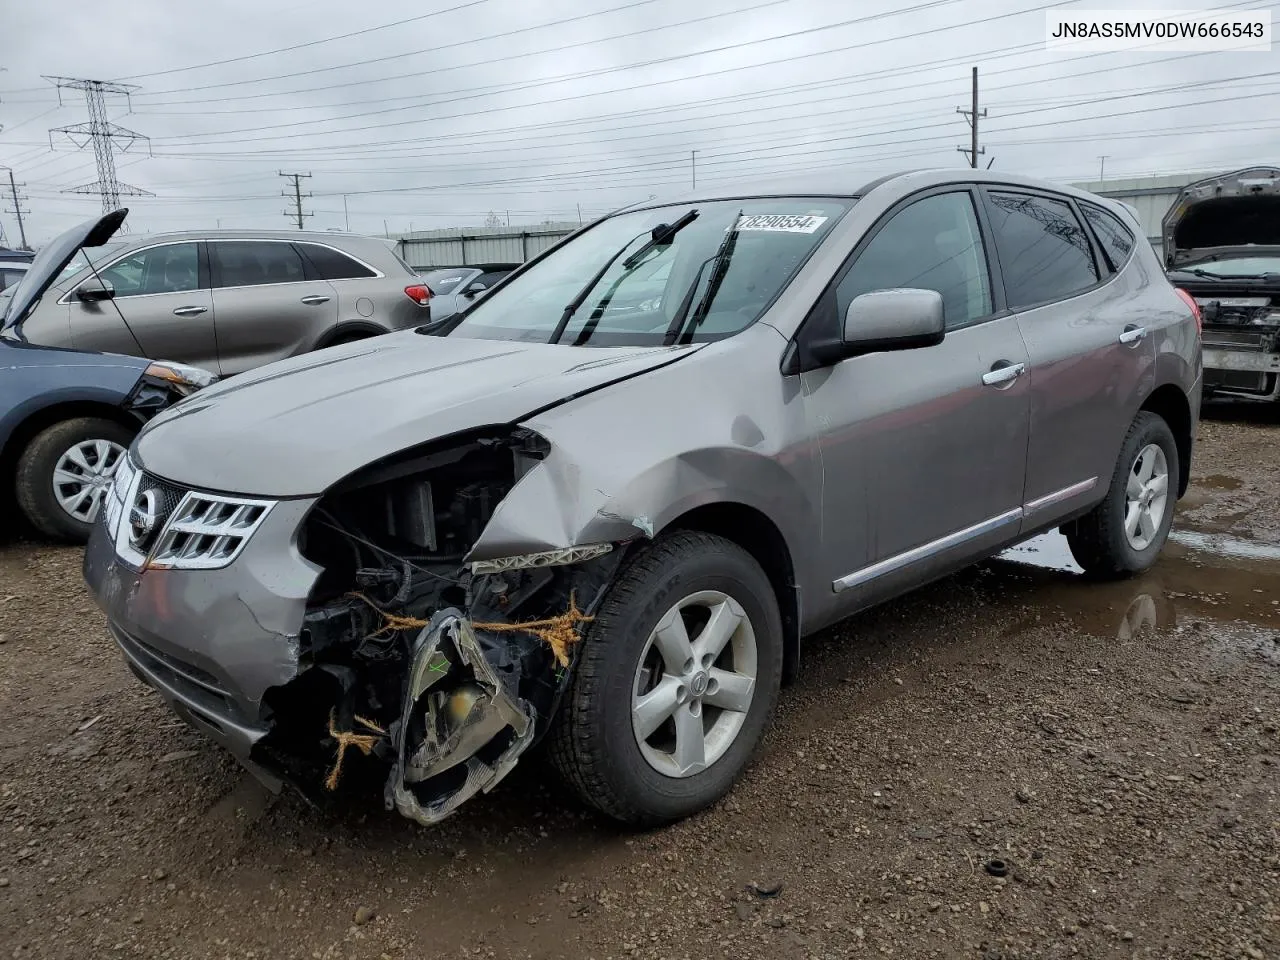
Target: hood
55,255
295,428
1235,214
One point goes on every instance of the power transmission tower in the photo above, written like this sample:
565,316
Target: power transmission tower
17,210
973,114
296,213
105,136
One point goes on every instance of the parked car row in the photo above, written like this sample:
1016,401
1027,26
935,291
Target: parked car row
621,487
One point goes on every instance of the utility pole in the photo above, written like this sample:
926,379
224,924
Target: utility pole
296,213
1102,167
973,114
346,218
105,136
693,168
17,210
579,214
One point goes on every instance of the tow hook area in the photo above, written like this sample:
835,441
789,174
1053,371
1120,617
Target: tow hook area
455,739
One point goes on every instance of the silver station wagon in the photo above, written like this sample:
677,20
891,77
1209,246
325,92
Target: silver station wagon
610,515
229,301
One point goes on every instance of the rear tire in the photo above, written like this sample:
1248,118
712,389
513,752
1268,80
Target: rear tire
1123,535
595,741
64,472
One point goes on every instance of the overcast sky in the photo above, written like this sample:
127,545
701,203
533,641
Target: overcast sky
431,115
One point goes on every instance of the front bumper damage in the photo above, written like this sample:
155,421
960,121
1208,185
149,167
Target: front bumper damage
429,678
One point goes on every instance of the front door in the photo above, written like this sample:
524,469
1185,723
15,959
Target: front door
268,302
162,308
923,450
1090,358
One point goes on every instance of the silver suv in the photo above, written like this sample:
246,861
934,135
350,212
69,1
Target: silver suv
229,301
615,526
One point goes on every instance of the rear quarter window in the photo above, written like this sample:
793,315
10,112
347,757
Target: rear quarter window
332,264
1117,241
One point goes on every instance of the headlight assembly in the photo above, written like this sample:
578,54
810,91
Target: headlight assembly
186,379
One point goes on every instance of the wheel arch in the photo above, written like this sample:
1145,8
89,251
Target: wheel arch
756,533
349,330
15,435
1171,404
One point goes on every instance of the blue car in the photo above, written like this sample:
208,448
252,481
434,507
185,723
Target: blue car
66,416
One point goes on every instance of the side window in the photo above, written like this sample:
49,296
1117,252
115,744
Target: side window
1116,239
172,268
332,265
933,244
246,263
492,277
1044,251
10,278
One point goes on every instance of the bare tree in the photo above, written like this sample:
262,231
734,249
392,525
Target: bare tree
492,220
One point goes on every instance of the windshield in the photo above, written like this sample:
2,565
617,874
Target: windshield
1239,266
634,303
444,282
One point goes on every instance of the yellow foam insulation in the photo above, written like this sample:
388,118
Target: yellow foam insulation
559,632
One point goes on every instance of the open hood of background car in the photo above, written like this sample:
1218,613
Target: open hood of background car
296,427
1235,214
55,255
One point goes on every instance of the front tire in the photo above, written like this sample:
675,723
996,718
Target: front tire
677,681
64,472
1124,534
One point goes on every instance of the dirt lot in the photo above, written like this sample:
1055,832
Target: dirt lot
1115,746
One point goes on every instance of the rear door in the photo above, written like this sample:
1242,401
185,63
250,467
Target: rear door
1091,358
162,307
268,301
924,450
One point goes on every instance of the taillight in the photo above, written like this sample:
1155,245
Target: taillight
419,293
1190,301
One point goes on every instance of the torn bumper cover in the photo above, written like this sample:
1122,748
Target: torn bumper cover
461,731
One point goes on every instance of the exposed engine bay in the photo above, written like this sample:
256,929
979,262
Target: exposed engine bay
440,671
1241,341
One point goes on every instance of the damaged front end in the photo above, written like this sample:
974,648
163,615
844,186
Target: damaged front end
414,661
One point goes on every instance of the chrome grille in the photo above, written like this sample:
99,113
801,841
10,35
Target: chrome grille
207,531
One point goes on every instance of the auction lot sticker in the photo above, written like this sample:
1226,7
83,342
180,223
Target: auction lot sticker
782,222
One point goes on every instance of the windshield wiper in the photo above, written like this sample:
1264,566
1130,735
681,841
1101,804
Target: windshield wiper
659,236
721,258
1196,271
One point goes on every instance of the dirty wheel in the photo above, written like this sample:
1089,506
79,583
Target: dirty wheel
64,472
677,681
1124,534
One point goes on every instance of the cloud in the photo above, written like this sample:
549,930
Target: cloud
543,110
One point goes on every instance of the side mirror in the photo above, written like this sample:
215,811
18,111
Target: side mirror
900,319
94,290
475,289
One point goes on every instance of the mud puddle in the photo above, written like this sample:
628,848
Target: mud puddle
1226,587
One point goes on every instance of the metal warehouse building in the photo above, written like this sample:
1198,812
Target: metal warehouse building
458,246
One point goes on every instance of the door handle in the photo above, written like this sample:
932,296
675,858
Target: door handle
1132,334
314,299
1002,371
189,311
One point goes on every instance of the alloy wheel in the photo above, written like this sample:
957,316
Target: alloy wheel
695,684
1146,496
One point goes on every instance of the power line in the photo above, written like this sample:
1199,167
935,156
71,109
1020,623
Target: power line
454,96
103,134
296,214
309,43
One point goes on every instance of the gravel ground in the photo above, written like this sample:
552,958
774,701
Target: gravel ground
1008,764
